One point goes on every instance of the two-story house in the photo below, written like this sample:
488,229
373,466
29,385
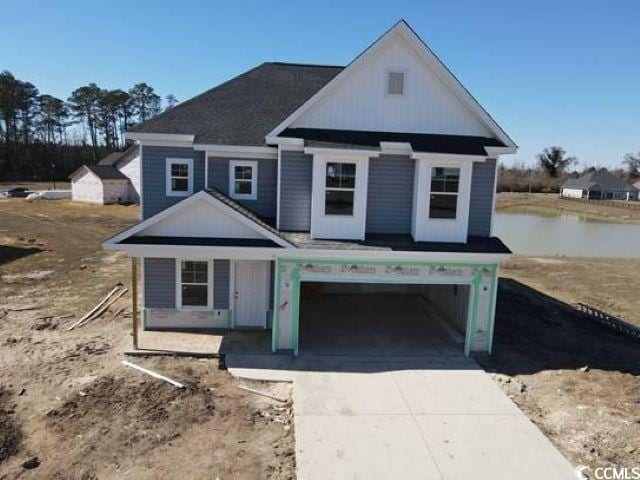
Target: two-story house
380,172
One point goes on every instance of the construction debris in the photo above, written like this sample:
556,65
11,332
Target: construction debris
102,306
264,394
153,374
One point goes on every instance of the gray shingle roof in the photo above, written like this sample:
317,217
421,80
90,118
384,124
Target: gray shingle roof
244,109
600,179
107,172
111,159
115,157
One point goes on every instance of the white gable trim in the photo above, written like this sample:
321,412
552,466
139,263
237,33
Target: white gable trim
401,28
84,167
161,139
202,195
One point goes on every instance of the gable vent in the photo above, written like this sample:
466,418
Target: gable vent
395,85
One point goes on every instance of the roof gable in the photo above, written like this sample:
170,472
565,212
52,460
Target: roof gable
601,179
439,103
103,172
206,214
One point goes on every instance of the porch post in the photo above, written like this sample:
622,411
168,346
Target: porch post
295,307
134,299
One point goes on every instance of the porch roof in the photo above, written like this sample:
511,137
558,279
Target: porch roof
399,243
200,241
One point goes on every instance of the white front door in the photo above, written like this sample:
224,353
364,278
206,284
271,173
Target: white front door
251,295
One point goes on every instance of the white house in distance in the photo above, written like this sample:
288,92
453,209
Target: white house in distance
115,179
598,185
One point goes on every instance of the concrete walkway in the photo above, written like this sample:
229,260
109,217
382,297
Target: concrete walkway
405,417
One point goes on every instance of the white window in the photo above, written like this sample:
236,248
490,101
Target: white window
445,182
340,187
179,177
243,179
395,83
194,284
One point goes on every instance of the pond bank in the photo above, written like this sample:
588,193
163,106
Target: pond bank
609,284
550,204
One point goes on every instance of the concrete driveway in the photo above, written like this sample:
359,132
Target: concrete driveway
384,418
383,391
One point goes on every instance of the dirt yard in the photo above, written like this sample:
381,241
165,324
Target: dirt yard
65,398
546,203
578,381
609,284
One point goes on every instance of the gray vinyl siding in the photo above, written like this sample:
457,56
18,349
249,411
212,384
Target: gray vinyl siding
265,204
481,203
390,194
221,280
159,283
154,191
296,172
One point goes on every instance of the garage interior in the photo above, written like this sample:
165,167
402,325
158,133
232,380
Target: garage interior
382,319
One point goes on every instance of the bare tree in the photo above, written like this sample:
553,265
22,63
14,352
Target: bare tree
633,164
171,100
554,161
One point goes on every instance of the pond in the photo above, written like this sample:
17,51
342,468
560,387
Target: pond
529,233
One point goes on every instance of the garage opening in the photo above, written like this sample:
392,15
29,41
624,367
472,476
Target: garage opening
391,319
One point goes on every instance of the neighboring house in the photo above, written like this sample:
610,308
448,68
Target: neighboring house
636,185
115,179
382,172
600,185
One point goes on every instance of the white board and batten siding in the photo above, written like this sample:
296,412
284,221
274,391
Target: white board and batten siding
86,187
362,101
201,220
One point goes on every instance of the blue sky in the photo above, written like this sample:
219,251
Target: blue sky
551,72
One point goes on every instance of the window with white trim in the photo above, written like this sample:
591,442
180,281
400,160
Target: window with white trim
243,179
179,173
445,182
195,288
395,83
340,187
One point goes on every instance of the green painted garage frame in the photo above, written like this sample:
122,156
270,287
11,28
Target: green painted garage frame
290,273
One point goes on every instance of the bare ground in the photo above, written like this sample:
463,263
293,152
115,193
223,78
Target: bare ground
609,284
578,381
66,399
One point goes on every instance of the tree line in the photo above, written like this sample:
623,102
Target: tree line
45,138
553,167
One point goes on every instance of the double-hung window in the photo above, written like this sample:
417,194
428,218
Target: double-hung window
340,188
445,183
243,179
195,288
179,177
